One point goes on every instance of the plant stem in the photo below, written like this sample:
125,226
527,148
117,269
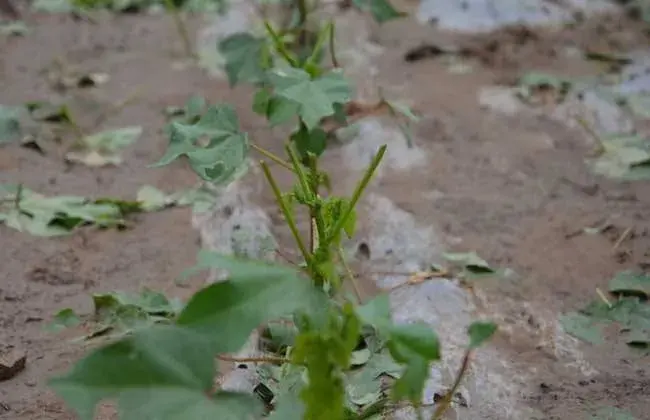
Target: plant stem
181,28
302,21
297,167
335,62
323,36
350,274
310,195
266,359
317,222
286,212
279,45
357,193
446,402
273,157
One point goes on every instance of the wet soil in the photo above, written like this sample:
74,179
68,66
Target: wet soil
515,190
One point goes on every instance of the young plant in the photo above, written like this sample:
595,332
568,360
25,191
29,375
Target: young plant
329,344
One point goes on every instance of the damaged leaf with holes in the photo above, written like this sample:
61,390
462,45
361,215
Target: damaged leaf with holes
214,145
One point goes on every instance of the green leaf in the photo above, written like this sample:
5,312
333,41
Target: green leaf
363,386
152,199
532,82
223,158
65,318
315,97
628,283
381,10
376,312
9,123
104,148
416,346
254,293
309,141
244,56
411,340
288,407
469,261
13,28
360,357
581,327
611,413
53,216
290,384
624,157
53,6
281,110
161,373
480,332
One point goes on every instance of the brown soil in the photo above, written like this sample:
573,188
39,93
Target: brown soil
515,190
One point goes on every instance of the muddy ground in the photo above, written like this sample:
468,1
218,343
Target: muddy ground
514,189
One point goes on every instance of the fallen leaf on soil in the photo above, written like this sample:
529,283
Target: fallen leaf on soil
364,386
629,313
582,327
612,413
27,211
628,283
151,198
470,262
542,89
65,318
12,362
13,28
103,148
381,10
45,111
625,157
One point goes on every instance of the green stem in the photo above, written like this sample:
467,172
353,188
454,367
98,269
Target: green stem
322,38
309,195
446,402
353,280
279,45
302,177
318,231
302,21
273,157
357,193
286,212
335,62
180,28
